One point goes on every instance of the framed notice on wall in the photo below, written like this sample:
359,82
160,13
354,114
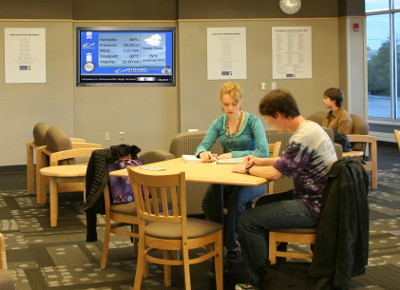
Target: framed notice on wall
25,55
291,53
226,53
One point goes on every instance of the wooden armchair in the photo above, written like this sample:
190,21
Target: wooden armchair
59,150
39,135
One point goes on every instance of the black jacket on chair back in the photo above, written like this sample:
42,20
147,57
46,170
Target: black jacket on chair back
341,248
97,179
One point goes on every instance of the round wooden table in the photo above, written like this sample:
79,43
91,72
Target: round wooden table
62,174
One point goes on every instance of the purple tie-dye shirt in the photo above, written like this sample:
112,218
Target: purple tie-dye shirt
307,160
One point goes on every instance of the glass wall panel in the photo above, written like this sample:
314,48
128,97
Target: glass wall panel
397,51
379,66
376,5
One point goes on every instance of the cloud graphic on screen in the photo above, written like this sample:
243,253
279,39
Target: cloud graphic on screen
153,40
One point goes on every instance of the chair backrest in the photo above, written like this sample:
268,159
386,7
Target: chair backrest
360,126
186,143
274,149
39,133
58,140
317,117
397,136
159,196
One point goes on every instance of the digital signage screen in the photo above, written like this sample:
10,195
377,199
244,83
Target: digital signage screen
125,56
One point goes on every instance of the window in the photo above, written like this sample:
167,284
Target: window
383,53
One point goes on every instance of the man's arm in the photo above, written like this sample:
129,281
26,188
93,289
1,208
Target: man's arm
261,167
268,172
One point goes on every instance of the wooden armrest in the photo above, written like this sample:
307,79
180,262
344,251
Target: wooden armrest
77,140
85,145
71,153
354,153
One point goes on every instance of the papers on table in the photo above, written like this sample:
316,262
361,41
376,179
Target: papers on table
194,159
230,160
191,159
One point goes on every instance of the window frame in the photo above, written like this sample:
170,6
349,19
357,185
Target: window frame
394,95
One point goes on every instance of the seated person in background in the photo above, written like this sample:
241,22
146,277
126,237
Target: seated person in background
337,118
307,160
240,134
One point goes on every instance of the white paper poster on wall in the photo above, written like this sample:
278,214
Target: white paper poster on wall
226,53
291,53
25,55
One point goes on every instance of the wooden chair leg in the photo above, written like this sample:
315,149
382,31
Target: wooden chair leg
272,248
135,242
106,242
167,269
186,268
141,264
218,263
374,179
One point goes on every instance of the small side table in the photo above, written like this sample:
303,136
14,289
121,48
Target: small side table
62,174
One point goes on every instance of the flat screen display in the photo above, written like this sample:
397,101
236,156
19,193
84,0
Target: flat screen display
125,56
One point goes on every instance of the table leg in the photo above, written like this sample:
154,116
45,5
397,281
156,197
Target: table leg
53,202
84,189
218,203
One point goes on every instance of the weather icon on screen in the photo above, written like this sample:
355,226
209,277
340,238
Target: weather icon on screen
154,40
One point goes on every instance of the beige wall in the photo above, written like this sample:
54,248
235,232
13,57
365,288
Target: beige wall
151,116
23,105
199,96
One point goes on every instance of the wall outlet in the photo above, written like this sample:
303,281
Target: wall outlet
107,136
121,135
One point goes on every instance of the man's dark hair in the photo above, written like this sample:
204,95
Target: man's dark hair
280,101
336,95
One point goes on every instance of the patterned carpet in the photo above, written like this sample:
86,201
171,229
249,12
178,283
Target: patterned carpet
40,257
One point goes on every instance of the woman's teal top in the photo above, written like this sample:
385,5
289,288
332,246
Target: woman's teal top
243,143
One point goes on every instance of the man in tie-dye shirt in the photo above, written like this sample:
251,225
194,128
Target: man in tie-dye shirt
307,160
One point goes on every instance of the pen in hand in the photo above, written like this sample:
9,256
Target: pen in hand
211,158
254,156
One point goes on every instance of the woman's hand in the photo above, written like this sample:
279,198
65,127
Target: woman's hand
225,156
207,156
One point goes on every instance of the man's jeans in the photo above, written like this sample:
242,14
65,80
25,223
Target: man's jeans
236,198
254,225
